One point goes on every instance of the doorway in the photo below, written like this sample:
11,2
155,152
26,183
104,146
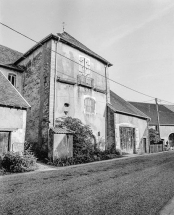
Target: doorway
4,142
144,145
127,139
171,140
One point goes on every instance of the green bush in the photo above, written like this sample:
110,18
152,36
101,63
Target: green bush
14,162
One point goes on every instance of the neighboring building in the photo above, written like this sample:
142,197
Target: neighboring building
12,72
56,86
166,118
13,110
127,126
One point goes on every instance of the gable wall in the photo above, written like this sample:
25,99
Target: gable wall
75,94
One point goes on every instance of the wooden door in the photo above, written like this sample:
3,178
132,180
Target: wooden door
144,145
4,142
127,139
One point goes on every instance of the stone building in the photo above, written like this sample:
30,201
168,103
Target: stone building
57,81
127,127
13,110
166,118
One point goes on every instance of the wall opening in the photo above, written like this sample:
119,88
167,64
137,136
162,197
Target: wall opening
171,140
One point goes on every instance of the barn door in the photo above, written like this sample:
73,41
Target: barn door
127,139
4,142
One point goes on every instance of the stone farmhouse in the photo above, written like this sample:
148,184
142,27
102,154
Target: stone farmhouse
60,85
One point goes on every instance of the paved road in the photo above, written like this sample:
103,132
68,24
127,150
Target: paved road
140,185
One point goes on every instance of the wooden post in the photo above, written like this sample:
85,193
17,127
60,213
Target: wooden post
158,121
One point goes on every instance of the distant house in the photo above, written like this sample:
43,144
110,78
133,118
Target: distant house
58,85
127,127
166,118
13,110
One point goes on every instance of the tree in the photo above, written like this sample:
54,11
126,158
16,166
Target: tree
154,136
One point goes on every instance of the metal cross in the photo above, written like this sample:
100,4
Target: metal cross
63,24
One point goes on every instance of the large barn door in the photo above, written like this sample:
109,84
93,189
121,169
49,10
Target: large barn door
4,142
127,139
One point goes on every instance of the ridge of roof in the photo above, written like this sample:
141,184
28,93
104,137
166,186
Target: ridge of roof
65,38
9,95
123,106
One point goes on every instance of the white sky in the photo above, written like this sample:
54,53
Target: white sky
137,36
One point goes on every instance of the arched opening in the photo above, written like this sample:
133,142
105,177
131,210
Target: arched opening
171,140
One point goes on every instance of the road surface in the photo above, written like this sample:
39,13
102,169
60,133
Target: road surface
139,185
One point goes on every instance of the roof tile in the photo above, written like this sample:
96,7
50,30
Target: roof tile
120,105
166,115
9,96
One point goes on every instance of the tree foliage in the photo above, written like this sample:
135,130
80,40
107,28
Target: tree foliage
83,138
154,136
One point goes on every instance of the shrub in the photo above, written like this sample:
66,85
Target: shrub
118,152
83,139
13,162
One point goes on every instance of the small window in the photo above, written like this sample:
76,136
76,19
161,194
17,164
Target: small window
89,105
84,66
12,79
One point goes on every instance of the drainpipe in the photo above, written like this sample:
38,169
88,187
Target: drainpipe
106,118
55,79
54,100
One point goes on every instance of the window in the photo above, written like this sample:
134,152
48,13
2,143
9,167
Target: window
84,67
12,79
89,105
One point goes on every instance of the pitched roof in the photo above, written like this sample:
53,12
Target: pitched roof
118,104
9,96
166,115
60,130
8,56
65,38
68,38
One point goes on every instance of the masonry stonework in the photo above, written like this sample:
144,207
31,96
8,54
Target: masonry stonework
36,83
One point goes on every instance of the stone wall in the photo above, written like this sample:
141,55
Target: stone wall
36,83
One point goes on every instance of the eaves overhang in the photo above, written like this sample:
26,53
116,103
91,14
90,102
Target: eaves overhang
126,113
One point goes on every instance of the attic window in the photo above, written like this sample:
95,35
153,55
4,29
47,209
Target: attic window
12,79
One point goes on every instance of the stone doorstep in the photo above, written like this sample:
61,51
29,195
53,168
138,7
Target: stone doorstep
168,209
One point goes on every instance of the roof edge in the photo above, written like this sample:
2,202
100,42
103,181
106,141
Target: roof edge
52,36
130,114
8,66
17,91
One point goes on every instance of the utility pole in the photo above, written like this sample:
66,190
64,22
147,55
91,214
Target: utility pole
157,110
